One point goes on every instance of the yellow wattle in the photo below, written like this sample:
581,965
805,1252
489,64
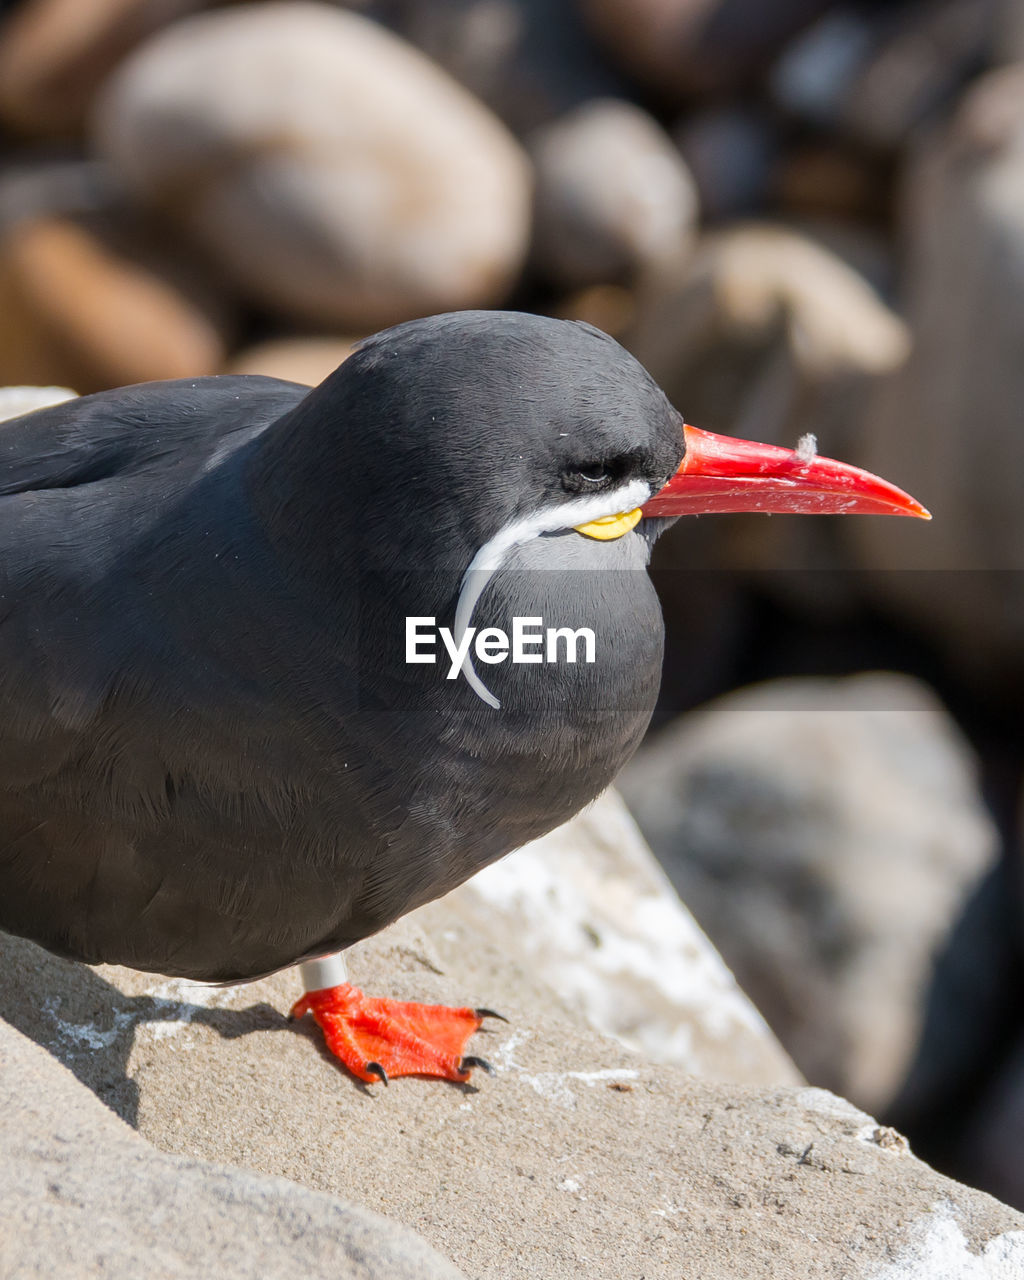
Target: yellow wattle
610,527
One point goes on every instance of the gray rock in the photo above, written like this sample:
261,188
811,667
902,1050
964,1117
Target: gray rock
54,54
678,47
748,288
730,152
38,185
15,401
96,303
766,334
827,834
330,170
304,359
989,1151
528,60
816,70
589,907
1008,34
880,76
613,196
578,1159
81,1194
915,71
947,426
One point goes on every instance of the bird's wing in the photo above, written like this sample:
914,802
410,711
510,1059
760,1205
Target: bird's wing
114,714
77,480
113,433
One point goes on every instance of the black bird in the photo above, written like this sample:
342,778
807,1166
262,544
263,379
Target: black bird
216,758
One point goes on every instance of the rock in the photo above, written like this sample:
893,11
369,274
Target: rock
81,1194
766,334
880,76
579,1158
40,185
1008,33
678,47
332,173
91,305
816,70
963,1099
611,307
54,54
528,60
730,152
306,360
917,70
613,196
590,908
990,1149
947,426
827,180
827,834
749,284
14,401
963,1072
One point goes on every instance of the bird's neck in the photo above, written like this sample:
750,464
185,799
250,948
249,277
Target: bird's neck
328,484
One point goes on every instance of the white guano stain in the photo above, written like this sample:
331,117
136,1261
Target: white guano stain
553,1086
182,1001
83,1037
174,1006
937,1249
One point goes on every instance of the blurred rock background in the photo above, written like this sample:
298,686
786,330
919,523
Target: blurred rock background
802,215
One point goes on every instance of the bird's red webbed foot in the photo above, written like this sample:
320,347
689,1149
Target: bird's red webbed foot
377,1038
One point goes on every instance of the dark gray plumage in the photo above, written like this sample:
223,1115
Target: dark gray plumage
214,760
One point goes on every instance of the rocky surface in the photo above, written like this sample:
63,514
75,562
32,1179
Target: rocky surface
730,152
308,360
769,334
528,60
331,172
81,1194
949,424
15,401
1008,35
828,836
613,196
588,907
880,76
749,286
989,1148
90,304
578,1158
688,46
54,54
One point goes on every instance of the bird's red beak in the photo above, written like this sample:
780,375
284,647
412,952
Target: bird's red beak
719,473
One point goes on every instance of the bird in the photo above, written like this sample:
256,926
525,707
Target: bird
219,755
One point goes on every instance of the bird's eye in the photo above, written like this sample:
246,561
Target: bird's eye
589,475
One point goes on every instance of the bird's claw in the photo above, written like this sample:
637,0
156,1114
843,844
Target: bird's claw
375,1069
465,1064
490,1013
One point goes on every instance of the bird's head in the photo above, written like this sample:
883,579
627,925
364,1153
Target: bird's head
514,425
487,430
